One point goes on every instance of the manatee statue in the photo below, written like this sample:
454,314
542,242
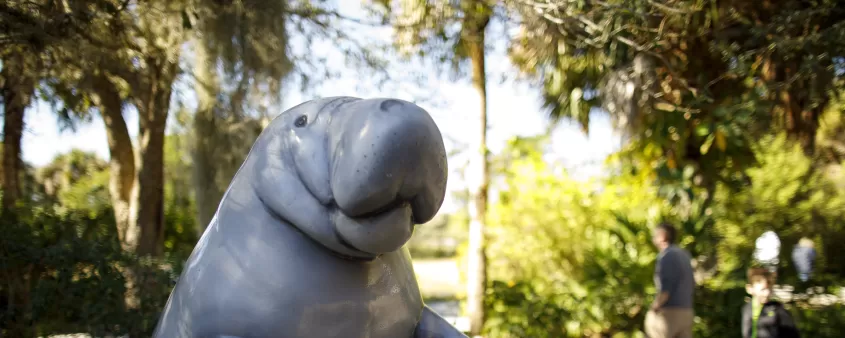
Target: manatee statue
308,240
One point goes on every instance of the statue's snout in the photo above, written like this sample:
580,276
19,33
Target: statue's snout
384,153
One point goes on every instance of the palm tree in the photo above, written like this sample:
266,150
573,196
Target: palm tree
423,28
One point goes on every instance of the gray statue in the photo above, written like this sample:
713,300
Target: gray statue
308,240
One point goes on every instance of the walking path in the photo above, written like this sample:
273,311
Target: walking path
439,280
813,296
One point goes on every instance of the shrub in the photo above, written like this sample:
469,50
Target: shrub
568,259
62,273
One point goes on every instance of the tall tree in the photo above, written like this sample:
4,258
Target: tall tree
424,27
110,103
59,43
705,63
693,83
19,77
76,90
242,57
139,69
245,44
34,34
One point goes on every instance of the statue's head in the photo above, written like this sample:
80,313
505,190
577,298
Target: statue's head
354,175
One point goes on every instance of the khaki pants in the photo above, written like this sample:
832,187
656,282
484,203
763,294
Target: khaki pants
669,323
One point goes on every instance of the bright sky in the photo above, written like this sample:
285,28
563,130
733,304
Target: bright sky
513,109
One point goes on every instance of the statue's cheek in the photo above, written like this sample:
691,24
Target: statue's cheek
284,195
279,186
312,165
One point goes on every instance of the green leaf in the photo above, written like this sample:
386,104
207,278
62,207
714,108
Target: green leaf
702,129
707,144
721,143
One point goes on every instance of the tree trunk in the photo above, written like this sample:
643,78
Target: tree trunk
802,120
222,137
122,159
477,260
207,192
121,177
18,88
800,116
148,198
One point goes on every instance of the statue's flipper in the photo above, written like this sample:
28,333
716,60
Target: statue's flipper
431,325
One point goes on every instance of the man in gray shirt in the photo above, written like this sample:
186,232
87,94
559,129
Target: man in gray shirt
671,314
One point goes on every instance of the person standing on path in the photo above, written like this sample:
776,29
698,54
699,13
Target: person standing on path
803,257
671,314
767,250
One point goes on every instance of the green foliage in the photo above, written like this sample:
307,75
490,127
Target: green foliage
785,195
831,137
568,258
61,266
180,215
76,180
62,272
693,83
820,322
564,246
37,24
250,38
718,312
692,53
516,309
89,193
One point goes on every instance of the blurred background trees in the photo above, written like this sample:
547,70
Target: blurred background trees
731,113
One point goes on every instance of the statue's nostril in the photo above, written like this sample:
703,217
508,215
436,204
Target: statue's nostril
387,104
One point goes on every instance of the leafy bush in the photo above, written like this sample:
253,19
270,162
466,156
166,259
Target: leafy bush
821,322
563,260
516,309
718,314
718,311
63,273
570,259
62,269
787,196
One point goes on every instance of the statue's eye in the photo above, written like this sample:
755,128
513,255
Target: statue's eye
301,121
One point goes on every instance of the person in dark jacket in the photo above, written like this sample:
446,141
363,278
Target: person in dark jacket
671,314
764,317
803,256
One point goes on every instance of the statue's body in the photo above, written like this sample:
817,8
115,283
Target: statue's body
308,240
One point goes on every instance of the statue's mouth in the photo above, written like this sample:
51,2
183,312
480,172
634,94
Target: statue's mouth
376,232
397,203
